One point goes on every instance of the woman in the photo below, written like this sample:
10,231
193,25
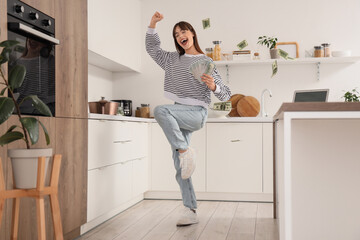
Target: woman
191,98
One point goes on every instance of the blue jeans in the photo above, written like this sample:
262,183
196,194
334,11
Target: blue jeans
178,121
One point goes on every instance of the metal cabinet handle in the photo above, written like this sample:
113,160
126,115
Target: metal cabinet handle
30,31
124,141
236,140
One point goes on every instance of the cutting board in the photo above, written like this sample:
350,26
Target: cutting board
248,107
235,99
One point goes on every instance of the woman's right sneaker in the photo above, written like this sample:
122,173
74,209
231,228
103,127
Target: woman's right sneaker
187,163
188,217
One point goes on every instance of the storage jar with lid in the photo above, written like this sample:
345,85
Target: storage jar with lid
327,51
319,51
217,51
209,52
145,111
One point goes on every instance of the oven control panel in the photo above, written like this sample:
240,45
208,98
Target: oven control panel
30,15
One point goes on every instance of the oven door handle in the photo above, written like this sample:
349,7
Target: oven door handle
14,26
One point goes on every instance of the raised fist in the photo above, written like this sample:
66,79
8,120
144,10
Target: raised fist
157,17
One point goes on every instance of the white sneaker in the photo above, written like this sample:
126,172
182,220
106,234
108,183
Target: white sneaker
187,163
188,217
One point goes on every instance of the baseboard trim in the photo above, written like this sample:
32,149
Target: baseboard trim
210,196
107,216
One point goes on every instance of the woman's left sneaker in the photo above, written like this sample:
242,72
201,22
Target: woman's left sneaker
188,217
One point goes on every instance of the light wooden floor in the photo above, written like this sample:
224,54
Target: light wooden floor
156,220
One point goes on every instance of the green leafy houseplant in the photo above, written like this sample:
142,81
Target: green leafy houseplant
352,96
29,128
269,42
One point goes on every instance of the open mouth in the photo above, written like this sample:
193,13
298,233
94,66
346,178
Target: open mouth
184,41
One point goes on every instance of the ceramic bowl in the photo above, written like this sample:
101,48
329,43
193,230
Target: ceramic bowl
217,113
346,53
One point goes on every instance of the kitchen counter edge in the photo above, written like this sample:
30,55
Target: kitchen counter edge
209,120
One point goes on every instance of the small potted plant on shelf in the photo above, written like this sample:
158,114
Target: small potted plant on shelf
269,42
24,161
352,96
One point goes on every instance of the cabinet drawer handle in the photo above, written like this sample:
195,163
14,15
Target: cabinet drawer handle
236,140
125,141
124,162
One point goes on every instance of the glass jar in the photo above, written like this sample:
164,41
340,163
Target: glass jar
209,52
137,112
217,51
145,111
319,51
327,51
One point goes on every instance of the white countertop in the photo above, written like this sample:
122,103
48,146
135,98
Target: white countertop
209,120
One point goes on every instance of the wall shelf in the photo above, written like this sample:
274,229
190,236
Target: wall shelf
317,61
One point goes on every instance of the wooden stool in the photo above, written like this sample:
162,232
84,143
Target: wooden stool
38,193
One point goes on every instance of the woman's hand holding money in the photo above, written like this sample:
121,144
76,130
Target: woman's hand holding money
157,17
209,81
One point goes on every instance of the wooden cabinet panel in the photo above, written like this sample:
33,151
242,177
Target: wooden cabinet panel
3,155
71,142
47,7
71,58
234,157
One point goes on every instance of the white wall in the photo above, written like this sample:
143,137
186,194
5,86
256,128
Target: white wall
308,22
100,84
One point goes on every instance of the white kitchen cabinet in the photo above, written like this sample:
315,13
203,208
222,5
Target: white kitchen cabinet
162,165
113,43
108,187
234,162
118,168
140,176
111,142
234,157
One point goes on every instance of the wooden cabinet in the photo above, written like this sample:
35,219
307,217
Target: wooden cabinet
234,157
71,142
162,164
71,58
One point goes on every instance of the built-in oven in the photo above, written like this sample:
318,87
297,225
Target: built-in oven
35,31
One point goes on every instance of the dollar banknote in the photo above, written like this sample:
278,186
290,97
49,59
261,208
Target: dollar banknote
206,23
274,68
283,54
222,106
242,44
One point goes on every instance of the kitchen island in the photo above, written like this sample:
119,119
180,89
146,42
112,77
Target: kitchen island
318,171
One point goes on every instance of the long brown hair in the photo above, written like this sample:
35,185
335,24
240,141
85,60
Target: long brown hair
186,26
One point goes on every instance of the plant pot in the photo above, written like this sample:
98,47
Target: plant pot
25,164
274,53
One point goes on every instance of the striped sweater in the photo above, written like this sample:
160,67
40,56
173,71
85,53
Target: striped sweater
180,85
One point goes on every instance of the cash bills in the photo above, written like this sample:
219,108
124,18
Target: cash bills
200,67
274,68
206,23
242,44
222,106
284,54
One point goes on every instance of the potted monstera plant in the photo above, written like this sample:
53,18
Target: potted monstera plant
24,161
